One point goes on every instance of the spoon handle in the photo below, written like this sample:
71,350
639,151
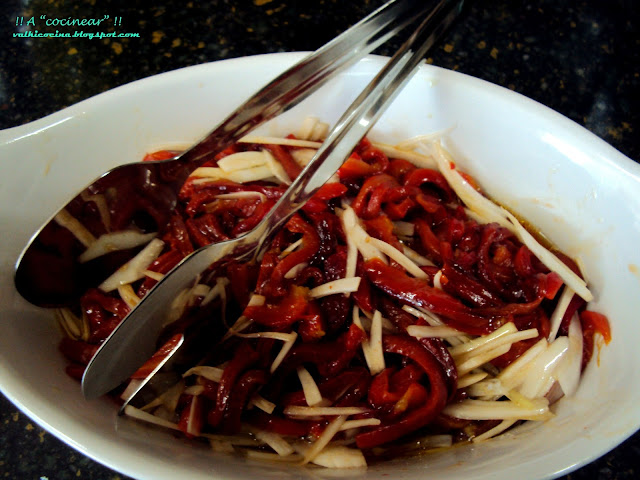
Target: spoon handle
304,78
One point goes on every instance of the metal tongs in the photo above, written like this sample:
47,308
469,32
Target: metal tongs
134,340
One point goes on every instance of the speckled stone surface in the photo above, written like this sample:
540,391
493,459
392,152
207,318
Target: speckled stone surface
581,58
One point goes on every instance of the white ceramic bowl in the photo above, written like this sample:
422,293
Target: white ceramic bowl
581,192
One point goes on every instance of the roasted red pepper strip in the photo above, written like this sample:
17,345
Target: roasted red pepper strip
417,292
192,417
592,323
371,196
467,288
381,227
103,312
242,278
421,416
246,386
364,296
244,357
162,264
430,242
330,358
438,349
282,155
77,351
379,393
160,155
331,388
312,325
575,304
356,167
281,315
158,357
310,245
415,395
116,306
320,200
178,237
253,219
399,168
421,176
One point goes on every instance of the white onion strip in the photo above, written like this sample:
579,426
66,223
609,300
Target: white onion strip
303,411
66,220
240,161
295,270
363,422
134,269
497,430
471,379
283,352
101,203
340,457
416,258
276,168
272,457
404,229
324,438
468,347
550,260
262,403
469,363
433,320
309,387
291,248
240,195
218,290
157,276
558,313
512,376
361,239
169,398
367,351
209,174
509,340
112,242
377,364
342,285
568,373
496,410
288,142
193,411
538,380
210,373
427,331
396,255
285,337
437,280
275,441
138,414
419,160
129,296
491,387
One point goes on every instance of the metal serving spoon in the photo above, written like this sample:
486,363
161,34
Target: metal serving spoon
48,272
134,340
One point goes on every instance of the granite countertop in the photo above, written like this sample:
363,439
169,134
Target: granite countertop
581,58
